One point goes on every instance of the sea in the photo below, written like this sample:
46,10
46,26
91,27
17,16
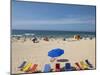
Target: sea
54,34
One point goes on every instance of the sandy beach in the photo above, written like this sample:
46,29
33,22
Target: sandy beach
37,53
63,32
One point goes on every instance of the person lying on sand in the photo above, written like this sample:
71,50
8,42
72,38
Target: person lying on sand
46,39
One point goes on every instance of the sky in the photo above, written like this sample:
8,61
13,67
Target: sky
51,16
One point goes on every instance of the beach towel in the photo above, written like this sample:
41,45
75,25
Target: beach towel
62,60
47,68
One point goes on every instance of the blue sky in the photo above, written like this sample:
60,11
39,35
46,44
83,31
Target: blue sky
46,16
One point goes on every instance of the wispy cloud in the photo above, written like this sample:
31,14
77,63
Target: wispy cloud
66,21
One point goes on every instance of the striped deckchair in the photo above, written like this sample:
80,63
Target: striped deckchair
83,65
22,65
47,68
26,67
89,64
33,68
78,66
57,67
68,67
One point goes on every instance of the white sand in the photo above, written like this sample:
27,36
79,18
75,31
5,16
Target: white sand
37,53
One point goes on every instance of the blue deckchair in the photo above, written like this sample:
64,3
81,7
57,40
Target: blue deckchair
68,67
22,65
47,68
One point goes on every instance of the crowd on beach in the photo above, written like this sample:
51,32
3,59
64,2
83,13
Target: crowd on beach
36,39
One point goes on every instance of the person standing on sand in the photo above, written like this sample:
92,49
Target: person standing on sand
34,39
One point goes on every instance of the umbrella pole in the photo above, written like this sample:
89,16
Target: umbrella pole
52,59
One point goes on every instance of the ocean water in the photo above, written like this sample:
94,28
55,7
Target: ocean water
54,34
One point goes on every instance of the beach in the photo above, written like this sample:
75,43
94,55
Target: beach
61,37
37,53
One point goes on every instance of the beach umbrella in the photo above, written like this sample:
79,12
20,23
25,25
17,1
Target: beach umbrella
55,52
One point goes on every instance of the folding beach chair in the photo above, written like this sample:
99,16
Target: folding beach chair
83,65
68,67
89,64
22,65
78,66
33,68
47,68
57,67
26,68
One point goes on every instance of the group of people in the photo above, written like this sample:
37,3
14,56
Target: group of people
35,39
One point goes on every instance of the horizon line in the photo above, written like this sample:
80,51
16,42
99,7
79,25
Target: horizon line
53,30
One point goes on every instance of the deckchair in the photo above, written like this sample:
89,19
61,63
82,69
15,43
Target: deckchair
26,68
83,65
78,65
89,64
33,68
68,67
47,68
22,65
57,67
